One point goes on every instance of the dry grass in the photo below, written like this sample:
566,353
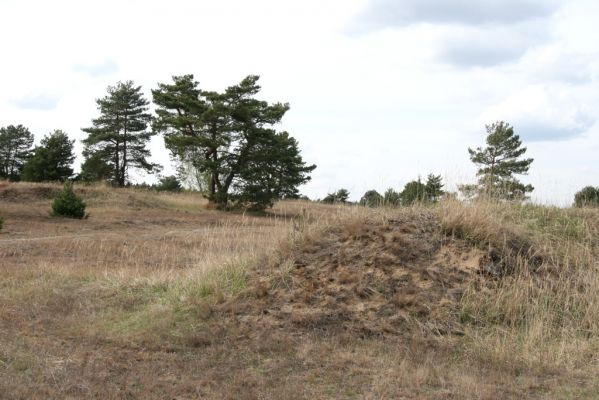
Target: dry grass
154,296
544,314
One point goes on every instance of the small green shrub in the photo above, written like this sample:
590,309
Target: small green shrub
67,204
169,184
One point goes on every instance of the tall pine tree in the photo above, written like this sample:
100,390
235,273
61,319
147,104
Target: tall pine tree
15,150
499,161
434,188
120,134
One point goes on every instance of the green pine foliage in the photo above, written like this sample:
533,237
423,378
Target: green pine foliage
67,204
499,161
340,196
276,171
413,192
52,160
434,188
15,150
94,168
372,198
118,138
230,136
392,198
169,184
587,197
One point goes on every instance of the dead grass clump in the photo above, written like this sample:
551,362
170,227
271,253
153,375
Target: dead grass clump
485,225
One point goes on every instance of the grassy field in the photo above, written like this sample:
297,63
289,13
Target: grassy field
154,296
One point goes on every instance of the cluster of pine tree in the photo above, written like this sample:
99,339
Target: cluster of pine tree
50,161
226,138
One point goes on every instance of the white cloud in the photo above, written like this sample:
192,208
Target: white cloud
380,14
546,113
40,101
104,68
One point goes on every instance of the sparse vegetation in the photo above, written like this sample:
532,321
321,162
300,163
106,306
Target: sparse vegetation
461,300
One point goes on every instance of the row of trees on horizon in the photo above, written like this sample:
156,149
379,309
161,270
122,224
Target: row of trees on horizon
225,145
414,191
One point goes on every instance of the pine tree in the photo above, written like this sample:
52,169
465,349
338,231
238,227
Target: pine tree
434,188
94,168
372,198
413,192
68,204
52,160
15,150
275,171
392,198
499,161
120,135
587,197
340,196
229,135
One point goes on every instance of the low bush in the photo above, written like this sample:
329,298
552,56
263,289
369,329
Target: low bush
67,204
169,184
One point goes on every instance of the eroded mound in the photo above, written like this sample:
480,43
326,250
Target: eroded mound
375,276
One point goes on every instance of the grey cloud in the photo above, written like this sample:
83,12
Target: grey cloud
467,55
476,47
380,14
36,102
95,70
566,67
540,131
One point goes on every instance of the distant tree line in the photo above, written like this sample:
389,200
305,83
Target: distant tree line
499,163
413,192
226,140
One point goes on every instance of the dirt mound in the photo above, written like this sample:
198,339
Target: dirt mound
373,277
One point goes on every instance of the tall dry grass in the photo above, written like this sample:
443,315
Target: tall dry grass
544,313
160,256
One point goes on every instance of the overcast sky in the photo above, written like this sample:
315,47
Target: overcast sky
381,91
